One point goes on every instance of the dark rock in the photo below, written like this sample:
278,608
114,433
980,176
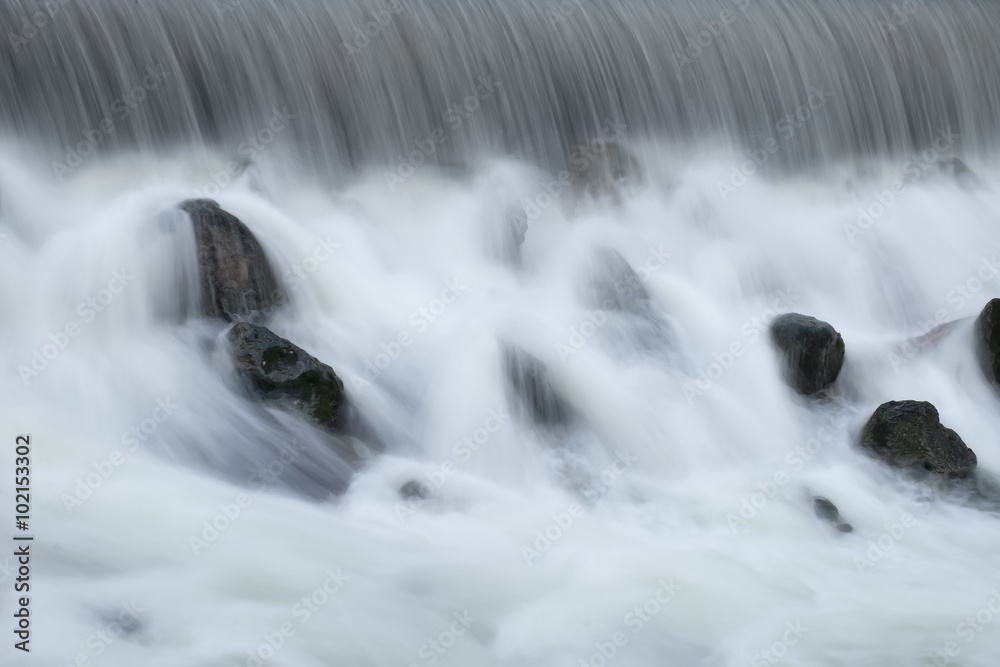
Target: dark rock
528,386
287,376
910,433
828,511
237,281
987,330
813,351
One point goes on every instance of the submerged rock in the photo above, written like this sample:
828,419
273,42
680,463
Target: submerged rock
287,376
237,281
505,233
912,347
828,511
987,330
601,168
628,319
528,386
414,489
813,351
952,168
909,433
616,286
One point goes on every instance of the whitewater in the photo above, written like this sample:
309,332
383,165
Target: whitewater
416,199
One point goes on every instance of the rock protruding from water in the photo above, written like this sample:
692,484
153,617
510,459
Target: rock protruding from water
237,281
529,387
987,330
910,434
287,376
813,351
827,511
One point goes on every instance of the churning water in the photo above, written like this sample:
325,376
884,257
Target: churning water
790,153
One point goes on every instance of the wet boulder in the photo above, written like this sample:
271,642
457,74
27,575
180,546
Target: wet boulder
236,279
283,374
910,434
812,351
987,330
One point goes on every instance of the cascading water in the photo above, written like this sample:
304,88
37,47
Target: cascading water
629,485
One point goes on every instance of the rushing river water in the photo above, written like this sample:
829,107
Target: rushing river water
790,155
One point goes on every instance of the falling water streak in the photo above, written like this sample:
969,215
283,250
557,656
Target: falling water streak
224,72
687,72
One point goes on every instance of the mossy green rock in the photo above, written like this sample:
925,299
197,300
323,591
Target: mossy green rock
284,374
